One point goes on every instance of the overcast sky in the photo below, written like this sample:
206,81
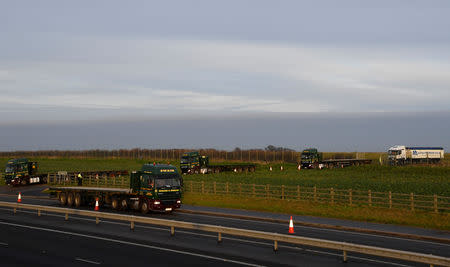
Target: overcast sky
122,61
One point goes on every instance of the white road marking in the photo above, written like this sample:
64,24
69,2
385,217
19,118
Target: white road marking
238,240
131,243
87,261
3,244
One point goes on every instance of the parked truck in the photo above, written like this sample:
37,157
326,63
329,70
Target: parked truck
155,187
193,162
311,158
22,172
401,155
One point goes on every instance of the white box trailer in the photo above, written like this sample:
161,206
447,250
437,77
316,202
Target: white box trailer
406,155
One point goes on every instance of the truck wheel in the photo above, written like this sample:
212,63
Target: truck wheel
115,204
123,203
144,207
70,199
62,198
77,200
23,182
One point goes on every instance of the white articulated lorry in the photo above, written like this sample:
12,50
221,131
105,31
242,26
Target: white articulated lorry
400,155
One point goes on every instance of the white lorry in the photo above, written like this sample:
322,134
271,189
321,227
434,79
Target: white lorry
400,155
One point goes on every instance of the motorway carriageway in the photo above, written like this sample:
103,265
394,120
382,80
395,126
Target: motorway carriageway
27,238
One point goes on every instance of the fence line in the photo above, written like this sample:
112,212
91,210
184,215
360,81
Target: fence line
332,196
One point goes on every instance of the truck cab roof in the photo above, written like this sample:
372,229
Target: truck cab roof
159,168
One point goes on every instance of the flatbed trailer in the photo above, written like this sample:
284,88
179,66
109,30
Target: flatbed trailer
193,162
155,187
333,163
312,159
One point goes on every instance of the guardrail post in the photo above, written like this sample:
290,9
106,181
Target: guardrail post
435,203
370,198
350,195
390,199
203,187
172,230
90,179
412,201
240,189
332,195
131,225
275,245
39,212
97,220
254,194
114,181
227,187
267,191
214,187
282,192
344,256
298,192
15,210
106,180
121,181
191,186
66,217
219,237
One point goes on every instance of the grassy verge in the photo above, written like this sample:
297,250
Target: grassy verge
379,215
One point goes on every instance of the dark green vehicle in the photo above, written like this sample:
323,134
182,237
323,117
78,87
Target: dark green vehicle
312,159
193,162
155,187
22,172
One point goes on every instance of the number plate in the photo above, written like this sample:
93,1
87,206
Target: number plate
168,209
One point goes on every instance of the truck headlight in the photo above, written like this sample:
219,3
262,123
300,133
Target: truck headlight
156,202
178,201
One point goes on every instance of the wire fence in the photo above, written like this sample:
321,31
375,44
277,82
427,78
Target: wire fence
331,196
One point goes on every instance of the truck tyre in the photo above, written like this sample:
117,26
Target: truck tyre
70,199
144,207
23,182
115,203
62,198
77,200
123,204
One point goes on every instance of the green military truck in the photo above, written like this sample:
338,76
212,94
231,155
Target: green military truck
312,159
193,162
22,172
155,187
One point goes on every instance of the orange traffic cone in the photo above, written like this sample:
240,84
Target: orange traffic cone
291,226
19,198
96,204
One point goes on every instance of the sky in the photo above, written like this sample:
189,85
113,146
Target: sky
181,66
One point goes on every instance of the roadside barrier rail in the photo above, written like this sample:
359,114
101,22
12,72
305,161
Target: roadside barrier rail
432,260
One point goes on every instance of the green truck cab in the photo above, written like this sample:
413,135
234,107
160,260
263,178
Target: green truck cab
310,158
155,187
22,172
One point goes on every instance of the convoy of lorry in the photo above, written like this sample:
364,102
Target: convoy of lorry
312,159
193,162
401,155
155,187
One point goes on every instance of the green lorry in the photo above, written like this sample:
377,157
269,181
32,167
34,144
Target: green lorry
155,187
22,172
311,158
193,162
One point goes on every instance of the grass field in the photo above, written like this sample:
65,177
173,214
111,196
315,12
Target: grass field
424,180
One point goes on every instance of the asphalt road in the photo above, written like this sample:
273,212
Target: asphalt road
80,237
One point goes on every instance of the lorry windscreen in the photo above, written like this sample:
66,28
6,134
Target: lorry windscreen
167,182
9,168
184,160
394,152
